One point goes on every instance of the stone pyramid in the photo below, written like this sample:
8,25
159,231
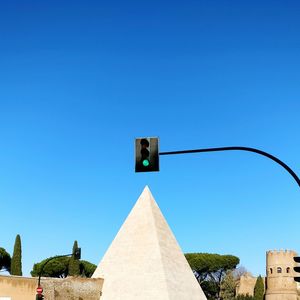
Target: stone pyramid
144,261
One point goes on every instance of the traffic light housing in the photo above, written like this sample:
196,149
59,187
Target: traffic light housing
146,154
297,269
77,253
39,297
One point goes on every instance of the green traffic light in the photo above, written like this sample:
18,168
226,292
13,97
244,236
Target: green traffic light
146,163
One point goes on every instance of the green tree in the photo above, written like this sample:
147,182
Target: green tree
58,267
5,260
210,289
244,297
74,264
228,287
259,289
210,270
87,269
16,261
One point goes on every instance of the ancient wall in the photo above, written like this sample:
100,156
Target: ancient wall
71,288
17,288
246,285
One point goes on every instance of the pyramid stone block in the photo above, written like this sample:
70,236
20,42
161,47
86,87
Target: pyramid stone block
144,261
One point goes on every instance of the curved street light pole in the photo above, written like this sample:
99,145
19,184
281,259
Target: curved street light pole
286,167
76,254
48,260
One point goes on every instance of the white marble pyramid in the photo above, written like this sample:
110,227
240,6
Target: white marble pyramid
144,261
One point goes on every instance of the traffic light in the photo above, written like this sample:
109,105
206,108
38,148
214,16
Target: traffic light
39,297
77,253
146,154
297,269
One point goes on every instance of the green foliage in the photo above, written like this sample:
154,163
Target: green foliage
59,267
64,266
87,269
244,297
228,287
5,260
74,265
259,289
210,270
210,289
16,261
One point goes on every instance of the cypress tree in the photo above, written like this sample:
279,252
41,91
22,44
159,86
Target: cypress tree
259,289
74,264
16,261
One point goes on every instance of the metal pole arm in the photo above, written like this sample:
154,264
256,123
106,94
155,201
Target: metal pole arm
242,149
48,260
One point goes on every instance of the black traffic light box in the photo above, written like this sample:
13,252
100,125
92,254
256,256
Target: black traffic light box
77,253
297,269
146,154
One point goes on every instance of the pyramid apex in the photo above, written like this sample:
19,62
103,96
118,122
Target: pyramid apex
146,188
146,192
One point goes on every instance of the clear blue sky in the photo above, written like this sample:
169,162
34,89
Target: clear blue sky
79,80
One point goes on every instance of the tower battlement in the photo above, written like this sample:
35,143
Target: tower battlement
280,258
281,253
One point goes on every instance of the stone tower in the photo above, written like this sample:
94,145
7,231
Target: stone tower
280,276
